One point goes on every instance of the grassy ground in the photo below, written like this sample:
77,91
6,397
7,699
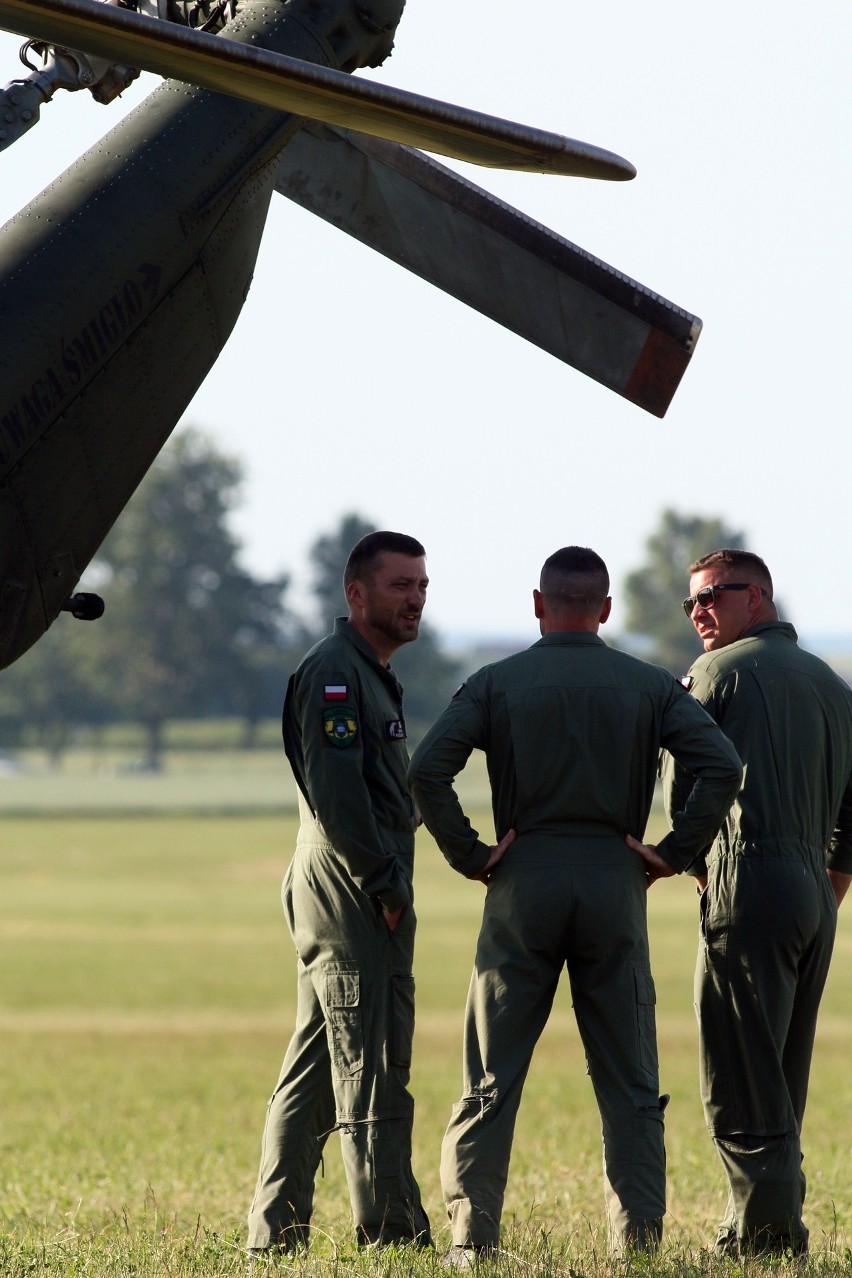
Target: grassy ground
146,996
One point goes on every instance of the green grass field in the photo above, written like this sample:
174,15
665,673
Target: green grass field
146,999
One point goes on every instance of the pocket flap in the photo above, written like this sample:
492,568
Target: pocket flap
342,989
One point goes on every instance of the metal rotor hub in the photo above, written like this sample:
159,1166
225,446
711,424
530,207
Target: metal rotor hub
342,24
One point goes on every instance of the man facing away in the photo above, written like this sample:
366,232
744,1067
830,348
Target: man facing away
348,900
571,730
770,890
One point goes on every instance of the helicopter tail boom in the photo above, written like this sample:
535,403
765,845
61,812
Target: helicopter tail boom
119,286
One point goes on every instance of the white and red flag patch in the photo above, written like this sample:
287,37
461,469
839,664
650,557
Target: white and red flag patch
336,692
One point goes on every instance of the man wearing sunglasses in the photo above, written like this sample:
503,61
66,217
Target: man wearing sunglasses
774,878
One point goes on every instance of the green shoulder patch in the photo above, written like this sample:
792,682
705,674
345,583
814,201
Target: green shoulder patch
340,725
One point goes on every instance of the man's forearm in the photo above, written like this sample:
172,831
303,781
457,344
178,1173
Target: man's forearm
437,761
839,883
446,822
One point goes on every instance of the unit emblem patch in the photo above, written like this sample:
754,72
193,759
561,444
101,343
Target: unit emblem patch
396,729
340,726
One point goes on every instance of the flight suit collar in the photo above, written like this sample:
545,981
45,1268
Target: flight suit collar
777,629
570,638
343,630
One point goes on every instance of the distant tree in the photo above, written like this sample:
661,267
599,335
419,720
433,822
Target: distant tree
187,631
655,591
328,557
428,675
269,642
52,688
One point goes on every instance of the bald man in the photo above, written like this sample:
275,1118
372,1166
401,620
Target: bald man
572,732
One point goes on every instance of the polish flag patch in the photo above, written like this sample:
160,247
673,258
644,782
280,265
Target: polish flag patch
336,692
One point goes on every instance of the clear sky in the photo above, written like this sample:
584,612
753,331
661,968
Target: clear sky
350,385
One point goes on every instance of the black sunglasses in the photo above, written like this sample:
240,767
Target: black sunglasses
707,594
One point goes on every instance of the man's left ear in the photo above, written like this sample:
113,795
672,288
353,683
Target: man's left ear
606,610
538,604
755,598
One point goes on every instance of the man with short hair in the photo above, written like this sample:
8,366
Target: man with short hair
348,900
770,890
571,730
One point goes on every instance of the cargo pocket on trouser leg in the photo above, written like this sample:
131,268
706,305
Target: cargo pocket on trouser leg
389,1152
342,994
635,1180
396,1189
383,1194
646,1029
402,1021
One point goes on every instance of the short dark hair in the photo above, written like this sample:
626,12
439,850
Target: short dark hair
751,565
365,555
576,576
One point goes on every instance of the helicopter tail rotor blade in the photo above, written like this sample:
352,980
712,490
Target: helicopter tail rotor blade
467,242
288,84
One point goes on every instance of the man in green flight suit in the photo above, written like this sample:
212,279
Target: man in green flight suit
571,730
348,900
769,890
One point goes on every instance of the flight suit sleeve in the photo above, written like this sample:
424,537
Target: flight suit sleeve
436,763
701,776
335,787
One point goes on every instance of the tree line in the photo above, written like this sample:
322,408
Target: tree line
189,633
